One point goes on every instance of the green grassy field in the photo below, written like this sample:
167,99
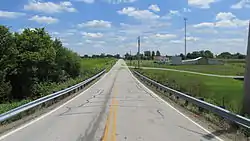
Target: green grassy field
90,66
231,67
212,89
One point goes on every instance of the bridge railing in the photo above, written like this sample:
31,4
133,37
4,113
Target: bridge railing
232,117
46,99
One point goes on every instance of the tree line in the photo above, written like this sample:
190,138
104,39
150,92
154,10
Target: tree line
30,61
102,55
149,55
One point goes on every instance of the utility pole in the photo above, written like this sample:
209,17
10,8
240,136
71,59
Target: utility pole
185,20
139,44
130,59
246,103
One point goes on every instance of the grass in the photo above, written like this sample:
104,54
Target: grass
219,91
231,67
90,67
7,106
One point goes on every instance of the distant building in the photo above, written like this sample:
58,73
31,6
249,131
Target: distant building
161,59
196,61
215,62
176,60
202,61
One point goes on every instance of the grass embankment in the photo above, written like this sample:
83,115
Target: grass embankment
231,67
89,66
212,89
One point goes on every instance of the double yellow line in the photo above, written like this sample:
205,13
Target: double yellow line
111,121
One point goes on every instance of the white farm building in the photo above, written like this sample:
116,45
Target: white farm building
201,61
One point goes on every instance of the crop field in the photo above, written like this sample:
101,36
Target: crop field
219,91
231,67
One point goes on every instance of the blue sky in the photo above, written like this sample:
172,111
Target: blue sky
112,26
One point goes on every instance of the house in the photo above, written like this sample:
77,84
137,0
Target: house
161,59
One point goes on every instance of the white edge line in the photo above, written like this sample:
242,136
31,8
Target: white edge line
218,138
46,114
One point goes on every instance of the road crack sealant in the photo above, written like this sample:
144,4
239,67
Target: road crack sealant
89,134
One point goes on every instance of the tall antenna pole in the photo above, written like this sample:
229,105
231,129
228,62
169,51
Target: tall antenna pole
139,44
246,103
185,20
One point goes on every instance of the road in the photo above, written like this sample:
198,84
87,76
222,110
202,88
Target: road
116,108
192,72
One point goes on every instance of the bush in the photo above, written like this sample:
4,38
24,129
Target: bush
31,63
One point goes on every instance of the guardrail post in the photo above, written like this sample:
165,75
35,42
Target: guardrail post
186,103
201,109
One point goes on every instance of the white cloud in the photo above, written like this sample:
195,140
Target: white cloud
224,20
22,29
201,3
87,1
65,44
205,24
92,35
120,1
138,14
50,7
7,14
174,12
225,16
88,41
176,41
55,33
186,10
191,38
96,24
165,36
154,7
109,1
241,4
228,40
44,19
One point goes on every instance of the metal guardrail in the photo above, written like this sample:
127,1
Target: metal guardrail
16,111
240,120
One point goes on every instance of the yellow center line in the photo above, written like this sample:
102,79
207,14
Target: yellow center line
111,117
106,132
113,138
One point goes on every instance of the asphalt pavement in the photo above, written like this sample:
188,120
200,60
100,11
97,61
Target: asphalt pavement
116,108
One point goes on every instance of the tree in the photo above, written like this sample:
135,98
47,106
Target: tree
95,56
158,53
153,55
109,56
31,61
147,55
225,55
35,61
8,58
102,55
182,56
127,56
117,56
208,54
